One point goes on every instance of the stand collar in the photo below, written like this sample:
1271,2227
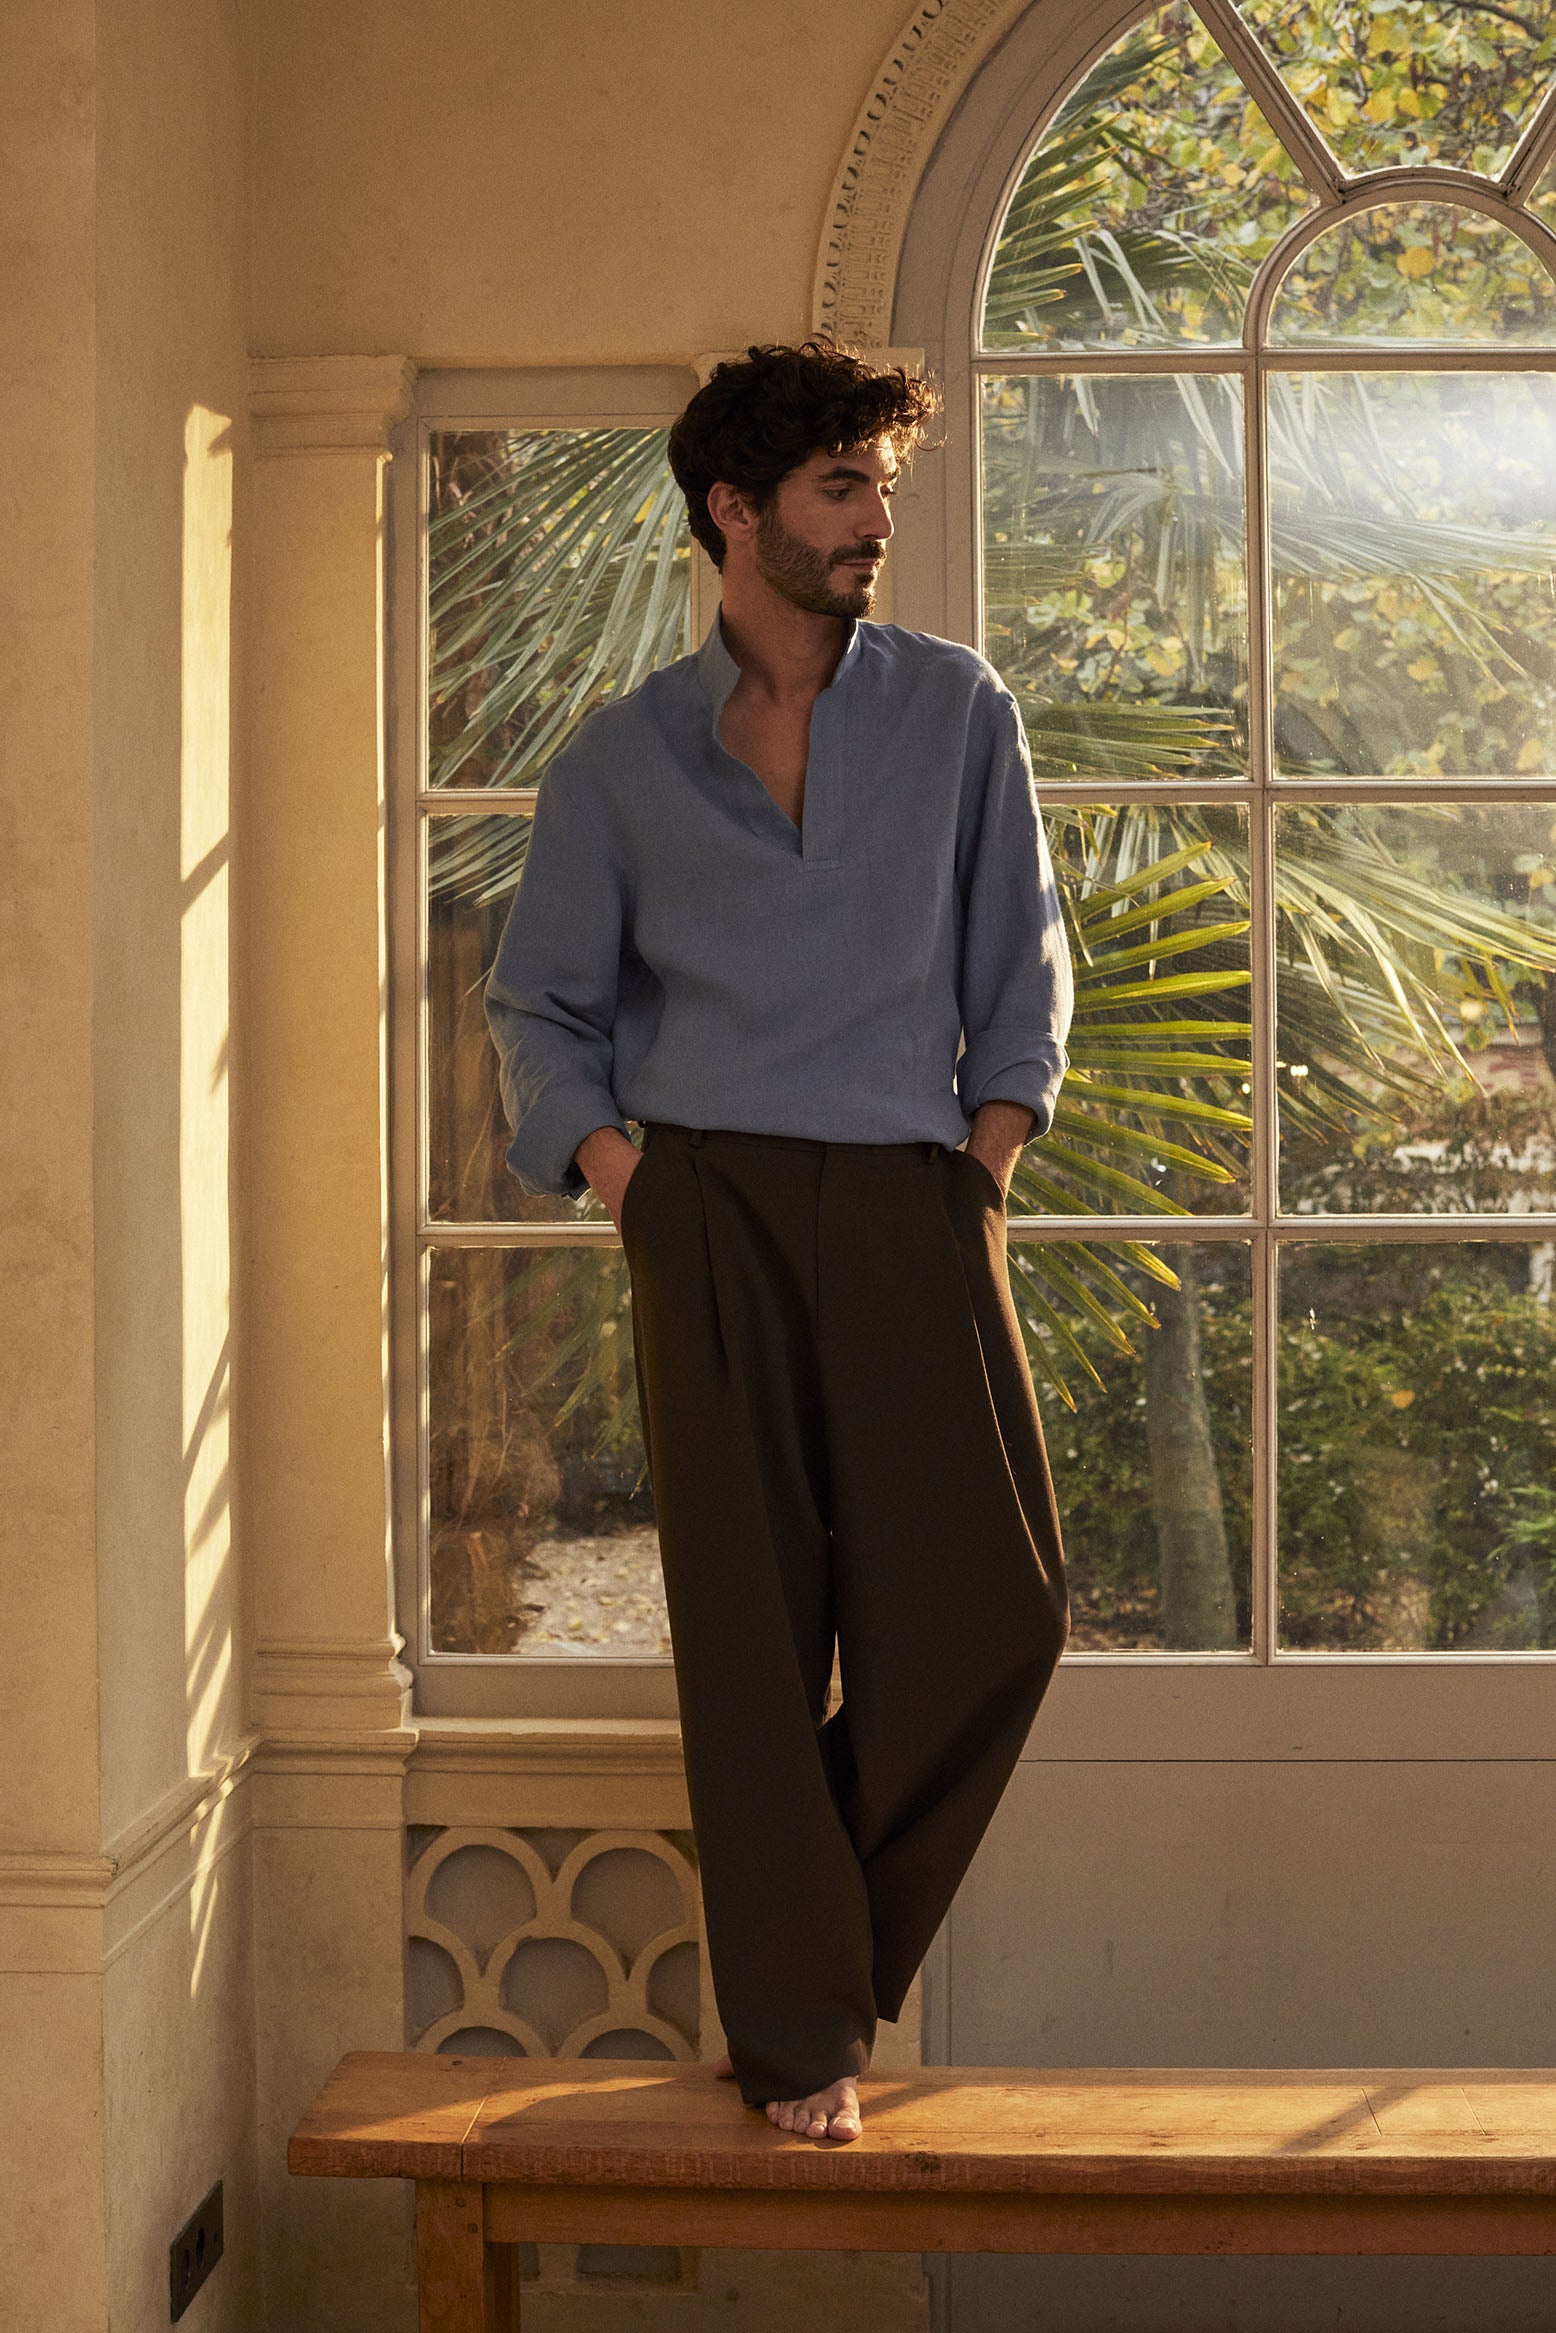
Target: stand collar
718,671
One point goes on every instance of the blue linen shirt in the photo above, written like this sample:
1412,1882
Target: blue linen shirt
678,948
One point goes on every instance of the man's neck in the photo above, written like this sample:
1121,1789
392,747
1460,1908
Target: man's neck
783,651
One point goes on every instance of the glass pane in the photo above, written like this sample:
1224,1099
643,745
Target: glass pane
558,576
1416,994
1417,1448
473,867
1413,533
1148,1430
1417,271
1390,82
1153,1114
1115,602
542,1538
1143,213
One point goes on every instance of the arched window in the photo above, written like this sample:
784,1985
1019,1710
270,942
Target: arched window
1261,390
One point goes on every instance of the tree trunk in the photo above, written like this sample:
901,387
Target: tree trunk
1199,1612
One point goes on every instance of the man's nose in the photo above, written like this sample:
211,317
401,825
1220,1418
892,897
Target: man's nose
879,531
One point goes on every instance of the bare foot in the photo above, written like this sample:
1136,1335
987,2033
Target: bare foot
725,2068
832,2113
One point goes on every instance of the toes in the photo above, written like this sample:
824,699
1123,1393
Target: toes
818,2117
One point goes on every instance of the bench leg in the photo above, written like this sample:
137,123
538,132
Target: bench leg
463,2285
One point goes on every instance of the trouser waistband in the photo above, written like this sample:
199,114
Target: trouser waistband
655,1128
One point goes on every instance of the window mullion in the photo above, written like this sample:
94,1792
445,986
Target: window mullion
1275,101
1261,1011
1532,154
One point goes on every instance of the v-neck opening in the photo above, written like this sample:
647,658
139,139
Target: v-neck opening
795,825
815,838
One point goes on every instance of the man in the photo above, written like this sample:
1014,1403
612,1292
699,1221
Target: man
766,894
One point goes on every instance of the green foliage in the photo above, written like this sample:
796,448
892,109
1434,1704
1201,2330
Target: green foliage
1459,1150
1413,533
1416,271
1115,602
1146,208
559,577
1417,1456
1099,1449
1418,1442
1394,82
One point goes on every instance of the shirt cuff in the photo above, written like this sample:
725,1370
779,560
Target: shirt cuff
1003,1065
541,1152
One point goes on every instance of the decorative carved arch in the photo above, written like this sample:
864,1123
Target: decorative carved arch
923,74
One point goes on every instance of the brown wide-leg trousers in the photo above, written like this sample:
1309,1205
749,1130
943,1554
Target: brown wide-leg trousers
842,1440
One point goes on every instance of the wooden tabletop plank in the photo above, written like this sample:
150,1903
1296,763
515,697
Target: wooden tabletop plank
994,2129
968,2130
392,2114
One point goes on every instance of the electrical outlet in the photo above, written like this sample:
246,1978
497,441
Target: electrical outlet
194,2253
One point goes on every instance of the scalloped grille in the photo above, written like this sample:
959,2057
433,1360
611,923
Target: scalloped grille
549,1943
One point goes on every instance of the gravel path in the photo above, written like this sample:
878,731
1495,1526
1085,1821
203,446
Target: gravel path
598,1595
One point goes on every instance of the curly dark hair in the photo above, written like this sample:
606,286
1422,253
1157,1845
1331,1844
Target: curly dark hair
761,415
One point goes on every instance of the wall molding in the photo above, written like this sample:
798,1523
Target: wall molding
921,77
63,1879
45,1879
315,404
315,1693
608,1746
597,1773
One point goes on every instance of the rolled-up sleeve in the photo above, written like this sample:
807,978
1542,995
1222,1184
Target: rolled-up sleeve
1018,989
551,994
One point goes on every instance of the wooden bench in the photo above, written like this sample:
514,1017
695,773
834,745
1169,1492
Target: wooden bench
953,2159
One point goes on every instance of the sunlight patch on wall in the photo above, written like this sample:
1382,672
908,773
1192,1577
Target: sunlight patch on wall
204,791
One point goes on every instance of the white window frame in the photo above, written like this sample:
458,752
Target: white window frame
473,1685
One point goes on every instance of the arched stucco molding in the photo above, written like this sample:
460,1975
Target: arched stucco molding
924,72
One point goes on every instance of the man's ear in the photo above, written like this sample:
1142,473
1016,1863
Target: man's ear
729,509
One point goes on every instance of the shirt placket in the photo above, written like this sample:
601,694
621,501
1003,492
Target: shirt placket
823,812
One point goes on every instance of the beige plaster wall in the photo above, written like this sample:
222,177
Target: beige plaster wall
171,445
47,237
178,2080
170,513
50,2068
472,183
125,1923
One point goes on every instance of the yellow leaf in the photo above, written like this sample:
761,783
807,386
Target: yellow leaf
1531,753
1410,103
1380,106
1422,668
1418,260
1401,1400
